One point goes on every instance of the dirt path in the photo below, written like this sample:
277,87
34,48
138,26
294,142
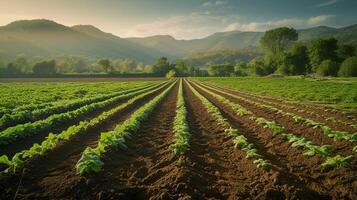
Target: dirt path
291,164
53,174
312,111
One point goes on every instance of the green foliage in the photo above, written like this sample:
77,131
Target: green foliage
180,127
327,68
161,66
338,161
221,70
52,140
322,49
171,74
239,140
89,161
106,65
32,115
116,139
12,164
222,56
296,141
345,51
273,126
278,40
12,134
349,67
335,91
298,58
45,67
181,68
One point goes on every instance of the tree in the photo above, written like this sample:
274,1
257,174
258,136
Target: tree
256,66
161,66
191,71
22,64
322,49
221,70
45,67
181,68
11,68
327,68
106,65
345,51
298,59
241,69
171,74
275,43
278,40
349,67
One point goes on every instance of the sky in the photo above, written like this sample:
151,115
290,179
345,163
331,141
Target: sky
183,19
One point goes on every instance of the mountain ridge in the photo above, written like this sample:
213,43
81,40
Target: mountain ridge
42,37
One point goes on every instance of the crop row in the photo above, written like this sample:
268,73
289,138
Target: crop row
296,109
90,160
16,95
21,131
296,141
336,135
53,140
239,140
180,127
15,118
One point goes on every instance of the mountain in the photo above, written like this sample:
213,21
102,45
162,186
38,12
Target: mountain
47,38
239,39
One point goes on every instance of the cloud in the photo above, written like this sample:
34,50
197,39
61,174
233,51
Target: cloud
194,25
292,22
327,3
214,3
201,24
318,20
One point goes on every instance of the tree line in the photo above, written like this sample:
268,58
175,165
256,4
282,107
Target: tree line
285,55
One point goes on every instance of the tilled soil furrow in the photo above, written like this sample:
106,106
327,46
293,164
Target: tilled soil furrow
314,134
148,168
15,147
293,168
51,175
309,111
221,171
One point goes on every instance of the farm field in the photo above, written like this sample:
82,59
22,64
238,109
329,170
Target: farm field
337,92
186,138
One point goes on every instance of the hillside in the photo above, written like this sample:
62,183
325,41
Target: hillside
47,38
239,39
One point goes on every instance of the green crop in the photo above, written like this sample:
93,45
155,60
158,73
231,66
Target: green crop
180,128
90,159
338,161
239,141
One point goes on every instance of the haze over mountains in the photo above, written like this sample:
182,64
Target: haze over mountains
46,38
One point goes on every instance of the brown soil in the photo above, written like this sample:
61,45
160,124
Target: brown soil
22,144
43,176
313,111
315,135
291,162
211,169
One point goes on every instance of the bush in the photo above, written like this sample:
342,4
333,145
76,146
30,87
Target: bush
349,67
327,68
171,74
